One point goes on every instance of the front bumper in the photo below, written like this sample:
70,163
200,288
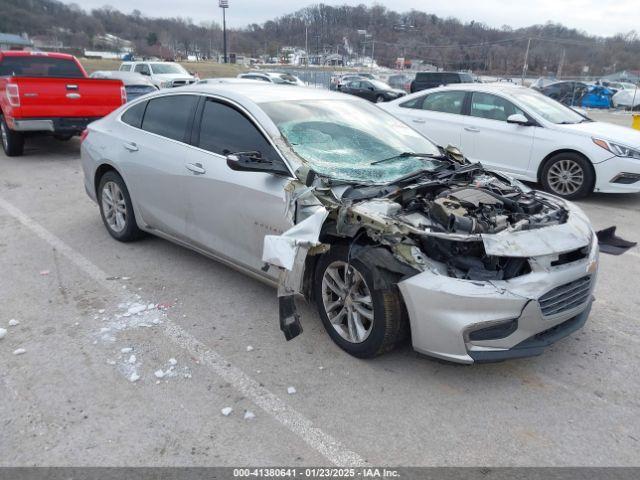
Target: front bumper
613,175
445,312
61,125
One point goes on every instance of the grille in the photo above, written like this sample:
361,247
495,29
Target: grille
566,297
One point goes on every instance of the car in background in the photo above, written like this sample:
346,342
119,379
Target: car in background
527,135
372,90
281,78
161,74
569,93
426,80
50,94
390,236
401,81
135,84
337,81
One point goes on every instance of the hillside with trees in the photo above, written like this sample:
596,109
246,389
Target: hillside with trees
445,42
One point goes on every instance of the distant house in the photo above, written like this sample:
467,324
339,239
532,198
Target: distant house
9,41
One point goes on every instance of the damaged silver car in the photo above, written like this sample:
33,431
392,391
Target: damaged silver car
340,203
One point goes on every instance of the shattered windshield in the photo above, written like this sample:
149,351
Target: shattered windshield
343,139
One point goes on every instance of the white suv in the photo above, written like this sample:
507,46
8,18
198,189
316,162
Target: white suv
161,74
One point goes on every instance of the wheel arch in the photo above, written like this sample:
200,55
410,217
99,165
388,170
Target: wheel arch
546,159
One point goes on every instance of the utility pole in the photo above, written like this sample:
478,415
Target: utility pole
561,64
526,60
224,4
373,49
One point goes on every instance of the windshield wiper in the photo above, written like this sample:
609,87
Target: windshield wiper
406,155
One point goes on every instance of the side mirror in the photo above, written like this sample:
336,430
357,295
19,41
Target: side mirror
254,162
371,88
518,119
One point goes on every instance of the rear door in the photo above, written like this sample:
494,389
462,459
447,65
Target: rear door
230,212
152,152
437,115
489,139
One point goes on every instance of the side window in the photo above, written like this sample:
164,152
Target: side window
492,107
447,102
169,116
133,116
225,130
125,67
142,68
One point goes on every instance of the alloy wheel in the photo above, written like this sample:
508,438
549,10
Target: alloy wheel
114,207
347,302
565,177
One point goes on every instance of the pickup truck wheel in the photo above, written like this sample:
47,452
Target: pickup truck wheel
116,209
363,320
12,142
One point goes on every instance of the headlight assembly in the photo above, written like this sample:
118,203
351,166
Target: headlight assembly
617,149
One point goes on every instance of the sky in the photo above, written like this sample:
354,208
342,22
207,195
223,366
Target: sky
596,17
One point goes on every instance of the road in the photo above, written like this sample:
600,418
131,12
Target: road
69,399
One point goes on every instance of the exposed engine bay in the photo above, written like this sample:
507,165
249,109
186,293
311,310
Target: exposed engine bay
430,220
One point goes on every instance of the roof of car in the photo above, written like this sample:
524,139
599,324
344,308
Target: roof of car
264,92
24,53
128,78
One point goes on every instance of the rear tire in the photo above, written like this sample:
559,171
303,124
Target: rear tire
116,208
379,99
12,142
568,175
362,329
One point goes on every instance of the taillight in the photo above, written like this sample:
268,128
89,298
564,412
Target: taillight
84,135
13,95
123,95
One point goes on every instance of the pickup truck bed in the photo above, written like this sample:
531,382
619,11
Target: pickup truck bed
50,94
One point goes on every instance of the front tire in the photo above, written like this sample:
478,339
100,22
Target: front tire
568,175
362,316
12,142
116,208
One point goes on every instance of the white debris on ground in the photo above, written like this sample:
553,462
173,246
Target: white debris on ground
132,315
44,272
249,348
13,322
134,377
226,411
19,351
173,361
132,359
249,415
320,367
159,374
126,350
291,390
3,332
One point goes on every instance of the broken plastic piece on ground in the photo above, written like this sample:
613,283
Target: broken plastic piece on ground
226,411
610,243
289,318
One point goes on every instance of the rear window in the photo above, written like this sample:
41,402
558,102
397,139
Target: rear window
427,76
169,116
33,66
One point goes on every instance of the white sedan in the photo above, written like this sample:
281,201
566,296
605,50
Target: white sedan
529,136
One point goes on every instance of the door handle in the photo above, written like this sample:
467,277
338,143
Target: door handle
195,168
415,120
132,147
471,129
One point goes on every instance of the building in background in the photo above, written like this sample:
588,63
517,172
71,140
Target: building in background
10,41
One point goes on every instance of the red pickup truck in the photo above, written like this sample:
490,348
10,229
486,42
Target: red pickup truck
50,93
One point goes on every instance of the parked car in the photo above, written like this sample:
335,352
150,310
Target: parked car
161,74
337,81
372,90
383,230
401,81
273,77
135,84
569,93
50,93
527,135
426,80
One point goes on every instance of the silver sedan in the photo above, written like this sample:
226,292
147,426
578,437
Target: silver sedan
336,201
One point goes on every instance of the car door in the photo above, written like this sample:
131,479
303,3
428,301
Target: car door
437,115
489,138
152,154
367,90
231,211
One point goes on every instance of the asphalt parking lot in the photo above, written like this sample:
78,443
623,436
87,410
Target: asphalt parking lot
69,399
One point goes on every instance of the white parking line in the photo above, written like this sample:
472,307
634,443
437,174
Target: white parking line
297,423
